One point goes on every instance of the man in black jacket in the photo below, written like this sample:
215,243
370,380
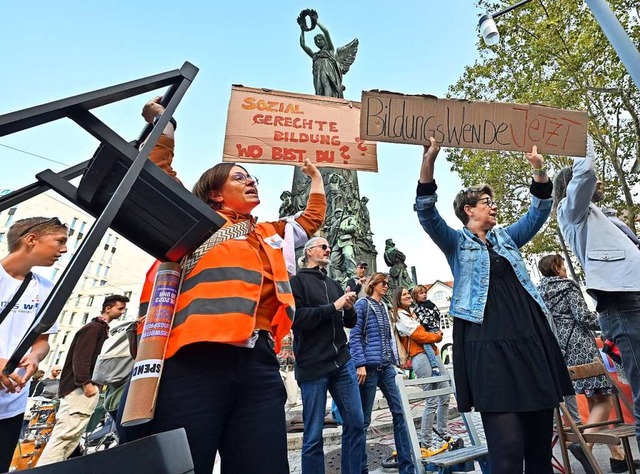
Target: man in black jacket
323,361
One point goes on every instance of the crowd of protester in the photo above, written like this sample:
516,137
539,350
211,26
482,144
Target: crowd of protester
512,340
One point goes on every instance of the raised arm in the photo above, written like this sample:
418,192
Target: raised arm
525,228
304,46
442,235
162,153
327,37
575,206
314,213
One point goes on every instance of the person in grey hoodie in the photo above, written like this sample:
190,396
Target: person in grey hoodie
323,361
611,263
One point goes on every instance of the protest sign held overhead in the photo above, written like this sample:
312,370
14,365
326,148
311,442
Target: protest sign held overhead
398,118
265,126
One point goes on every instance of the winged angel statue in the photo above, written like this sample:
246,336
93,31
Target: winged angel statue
329,64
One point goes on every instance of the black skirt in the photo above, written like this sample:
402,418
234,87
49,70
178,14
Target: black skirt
512,361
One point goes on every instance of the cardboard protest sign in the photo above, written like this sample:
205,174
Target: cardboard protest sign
398,118
265,126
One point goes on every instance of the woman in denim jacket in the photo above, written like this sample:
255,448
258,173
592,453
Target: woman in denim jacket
506,359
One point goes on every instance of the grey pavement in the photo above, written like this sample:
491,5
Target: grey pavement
380,439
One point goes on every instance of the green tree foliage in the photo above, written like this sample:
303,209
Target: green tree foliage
553,52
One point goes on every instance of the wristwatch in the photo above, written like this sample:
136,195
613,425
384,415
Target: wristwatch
540,171
171,120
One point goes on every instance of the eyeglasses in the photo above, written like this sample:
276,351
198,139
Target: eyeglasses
53,220
243,178
488,201
384,283
322,246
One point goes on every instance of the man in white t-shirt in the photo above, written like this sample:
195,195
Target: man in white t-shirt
33,242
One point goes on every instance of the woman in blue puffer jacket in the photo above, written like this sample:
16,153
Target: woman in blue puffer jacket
374,353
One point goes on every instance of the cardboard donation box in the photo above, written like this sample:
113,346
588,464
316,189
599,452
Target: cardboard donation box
398,118
265,126
147,369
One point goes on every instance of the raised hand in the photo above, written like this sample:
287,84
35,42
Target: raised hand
431,151
152,108
429,156
309,168
535,158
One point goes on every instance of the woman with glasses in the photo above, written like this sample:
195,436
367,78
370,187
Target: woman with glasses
375,355
221,378
506,359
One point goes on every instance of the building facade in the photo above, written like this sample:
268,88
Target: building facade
117,267
440,293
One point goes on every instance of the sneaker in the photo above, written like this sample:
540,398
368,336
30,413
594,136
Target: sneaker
580,455
620,465
435,372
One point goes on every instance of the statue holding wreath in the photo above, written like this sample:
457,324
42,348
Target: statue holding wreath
329,64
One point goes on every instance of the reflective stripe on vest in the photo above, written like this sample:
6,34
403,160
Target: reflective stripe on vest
216,307
219,297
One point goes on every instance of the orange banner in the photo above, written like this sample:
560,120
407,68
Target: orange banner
265,126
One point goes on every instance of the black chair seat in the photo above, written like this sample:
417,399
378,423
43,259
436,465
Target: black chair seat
159,215
164,453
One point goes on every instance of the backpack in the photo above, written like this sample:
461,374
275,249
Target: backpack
114,363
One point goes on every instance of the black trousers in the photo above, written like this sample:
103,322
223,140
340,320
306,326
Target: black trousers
229,400
9,434
515,437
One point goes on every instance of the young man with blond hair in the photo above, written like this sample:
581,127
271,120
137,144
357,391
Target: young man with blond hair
33,242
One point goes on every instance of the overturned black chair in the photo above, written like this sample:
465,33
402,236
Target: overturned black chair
119,187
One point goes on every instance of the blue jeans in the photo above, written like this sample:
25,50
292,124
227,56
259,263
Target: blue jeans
384,378
422,368
431,355
342,383
619,317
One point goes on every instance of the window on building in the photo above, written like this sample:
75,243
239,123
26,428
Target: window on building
128,294
99,269
106,271
1,236
439,296
77,303
72,319
64,339
59,357
85,318
90,301
103,282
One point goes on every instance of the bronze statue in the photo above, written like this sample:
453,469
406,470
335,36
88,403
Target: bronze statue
347,226
398,275
329,64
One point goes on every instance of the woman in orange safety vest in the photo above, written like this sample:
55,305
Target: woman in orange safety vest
220,380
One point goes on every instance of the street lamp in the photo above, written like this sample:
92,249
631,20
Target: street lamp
610,25
487,24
